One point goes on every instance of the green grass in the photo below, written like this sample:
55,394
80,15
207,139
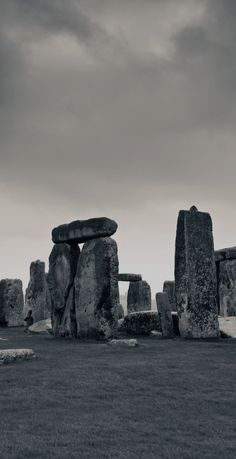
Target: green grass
164,399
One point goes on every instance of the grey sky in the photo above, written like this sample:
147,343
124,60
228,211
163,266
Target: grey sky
118,108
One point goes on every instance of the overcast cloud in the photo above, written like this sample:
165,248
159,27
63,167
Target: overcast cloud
119,108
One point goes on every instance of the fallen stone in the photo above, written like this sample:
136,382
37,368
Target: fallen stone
139,297
141,323
156,334
62,268
14,355
96,289
11,303
195,276
229,253
226,271
42,327
129,277
164,310
228,326
37,296
123,343
81,231
169,288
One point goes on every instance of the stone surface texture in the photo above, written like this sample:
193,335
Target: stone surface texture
228,326
37,296
42,327
139,297
11,302
62,269
195,276
80,231
123,343
227,287
169,288
96,289
229,253
128,277
141,323
13,355
164,310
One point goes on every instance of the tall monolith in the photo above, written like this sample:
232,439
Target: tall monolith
62,269
11,302
139,297
37,296
195,276
96,289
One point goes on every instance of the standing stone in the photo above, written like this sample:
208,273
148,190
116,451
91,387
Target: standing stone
227,287
96,289
169,288
11,302
195,276
84,230
37,297
164,310
139,297
62,268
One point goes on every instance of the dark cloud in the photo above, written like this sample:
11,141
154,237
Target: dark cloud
120,108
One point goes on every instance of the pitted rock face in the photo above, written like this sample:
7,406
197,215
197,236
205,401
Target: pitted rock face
62,268
227,287
139,297
37,297
169,288
229,253
164,310
195,276
96,289
128,277
11,302
81,231
141,323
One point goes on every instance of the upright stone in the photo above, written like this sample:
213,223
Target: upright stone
227,287
139,297
11,302
195,276
62,268
164,310
169,288
37,297
96,289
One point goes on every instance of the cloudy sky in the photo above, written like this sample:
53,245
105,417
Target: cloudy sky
118,108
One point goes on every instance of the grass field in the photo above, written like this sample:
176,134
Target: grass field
164,399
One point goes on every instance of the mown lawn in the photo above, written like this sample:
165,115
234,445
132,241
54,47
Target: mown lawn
164,399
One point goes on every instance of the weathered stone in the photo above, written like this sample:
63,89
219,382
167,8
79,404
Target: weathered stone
195,276
14,355
62,268
139,297
227,327
43,327
11,302
37,296
164,310
227,287
128,277
141,323
169,288
123,343
96,289
83,230
229,253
